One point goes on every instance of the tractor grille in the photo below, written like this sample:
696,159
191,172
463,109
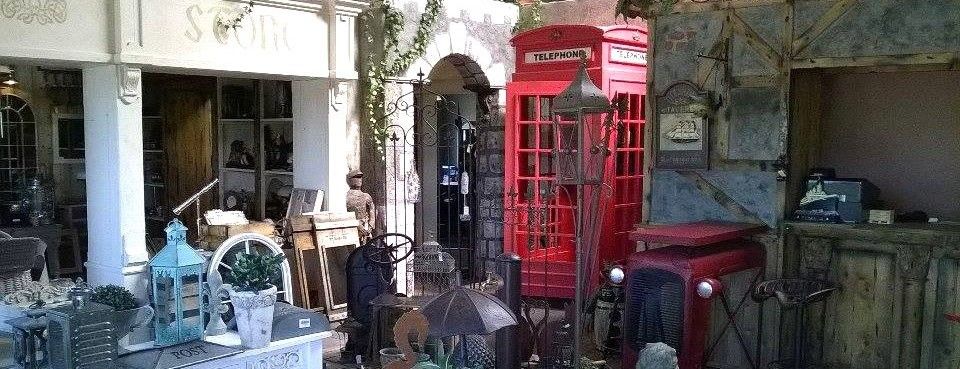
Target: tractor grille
654,309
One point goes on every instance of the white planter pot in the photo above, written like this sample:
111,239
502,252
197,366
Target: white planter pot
254,315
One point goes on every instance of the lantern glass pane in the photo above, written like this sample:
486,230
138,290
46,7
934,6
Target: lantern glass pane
166,301
596,139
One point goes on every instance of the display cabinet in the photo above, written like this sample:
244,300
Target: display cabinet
255,145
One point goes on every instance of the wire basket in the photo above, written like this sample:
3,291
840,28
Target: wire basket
434,270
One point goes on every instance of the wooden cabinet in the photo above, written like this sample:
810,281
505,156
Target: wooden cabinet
896,283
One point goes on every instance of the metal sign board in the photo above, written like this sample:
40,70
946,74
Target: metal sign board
555,56
628,56
683,129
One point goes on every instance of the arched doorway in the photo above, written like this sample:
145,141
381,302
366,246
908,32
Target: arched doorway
433,148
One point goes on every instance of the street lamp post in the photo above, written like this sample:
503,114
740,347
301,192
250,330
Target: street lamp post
583,122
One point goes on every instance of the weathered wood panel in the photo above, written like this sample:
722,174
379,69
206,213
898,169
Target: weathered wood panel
896,283
889,27
944,341
858,329
727,352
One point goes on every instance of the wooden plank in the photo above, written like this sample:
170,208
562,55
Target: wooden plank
804,136
858,333
895,68
690,6
758,81
717,194
649,130
825,21
769,54
864,61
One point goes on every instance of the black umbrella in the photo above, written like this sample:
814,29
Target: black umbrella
465,311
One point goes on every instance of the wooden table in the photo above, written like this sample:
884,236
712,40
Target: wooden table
304,352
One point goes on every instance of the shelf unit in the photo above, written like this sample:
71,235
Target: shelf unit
255,146
154,164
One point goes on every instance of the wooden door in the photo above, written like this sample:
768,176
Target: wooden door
188,146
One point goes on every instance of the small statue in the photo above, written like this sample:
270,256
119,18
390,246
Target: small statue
657,356
361,204
240,156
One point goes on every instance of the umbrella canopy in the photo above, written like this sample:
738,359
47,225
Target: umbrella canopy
463,310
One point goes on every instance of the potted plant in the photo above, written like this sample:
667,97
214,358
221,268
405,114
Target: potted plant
126,308
253,294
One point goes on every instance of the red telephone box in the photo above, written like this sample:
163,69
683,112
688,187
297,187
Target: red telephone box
547,59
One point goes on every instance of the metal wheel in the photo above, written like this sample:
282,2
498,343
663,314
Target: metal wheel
249,243
388,248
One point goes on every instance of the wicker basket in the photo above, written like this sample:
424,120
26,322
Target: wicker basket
14,283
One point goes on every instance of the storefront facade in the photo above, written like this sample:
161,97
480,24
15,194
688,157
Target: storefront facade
115,43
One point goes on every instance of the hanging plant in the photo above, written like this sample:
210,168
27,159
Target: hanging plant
233,22
394,60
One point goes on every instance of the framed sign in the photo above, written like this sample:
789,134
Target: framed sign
683,128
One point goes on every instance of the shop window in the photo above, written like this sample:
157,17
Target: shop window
18,147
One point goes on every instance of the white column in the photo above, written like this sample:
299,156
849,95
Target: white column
113,132
319,143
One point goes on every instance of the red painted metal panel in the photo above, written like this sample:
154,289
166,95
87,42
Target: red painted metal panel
695,234
692,265
547,59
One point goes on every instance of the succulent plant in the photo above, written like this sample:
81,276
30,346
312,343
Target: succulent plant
117,297
255,272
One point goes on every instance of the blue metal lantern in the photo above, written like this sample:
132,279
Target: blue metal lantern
177,272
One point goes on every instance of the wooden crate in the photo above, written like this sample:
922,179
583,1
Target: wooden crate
322,242
214,235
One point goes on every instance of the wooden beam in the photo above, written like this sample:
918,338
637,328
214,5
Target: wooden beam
717,194
758,81
708,6
871,61
838,9
649,127
770,55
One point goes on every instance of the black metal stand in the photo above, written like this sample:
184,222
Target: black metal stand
795,294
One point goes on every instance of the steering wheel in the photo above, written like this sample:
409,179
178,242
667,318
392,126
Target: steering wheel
387,248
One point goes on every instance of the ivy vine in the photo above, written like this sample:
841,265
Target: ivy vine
394,60
644,9
531,16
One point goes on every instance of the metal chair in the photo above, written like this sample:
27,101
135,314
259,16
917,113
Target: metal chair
794,294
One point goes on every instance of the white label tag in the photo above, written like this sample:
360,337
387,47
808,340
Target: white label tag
554,56
628,56
305,323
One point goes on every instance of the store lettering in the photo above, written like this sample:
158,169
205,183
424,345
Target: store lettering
189,352
628,56
553,56
263,31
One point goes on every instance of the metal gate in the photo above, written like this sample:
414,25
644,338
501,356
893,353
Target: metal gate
430,156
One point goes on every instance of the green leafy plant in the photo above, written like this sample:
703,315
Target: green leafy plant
531,16
117,297
255,272
394,60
